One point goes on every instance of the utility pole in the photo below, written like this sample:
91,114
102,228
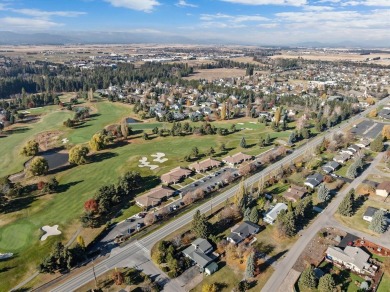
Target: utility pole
94,275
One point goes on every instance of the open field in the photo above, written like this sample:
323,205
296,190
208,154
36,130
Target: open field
342,56
212,74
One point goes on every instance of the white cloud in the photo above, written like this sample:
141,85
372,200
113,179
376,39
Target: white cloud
140,5
269,2
27,23
268,25
47,14
183,3
233,18
382,3
317,8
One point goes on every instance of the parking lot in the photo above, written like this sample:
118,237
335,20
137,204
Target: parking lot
367,129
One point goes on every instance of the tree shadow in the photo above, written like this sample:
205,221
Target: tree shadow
95,115
61,168
19,204
268,262
64,187
17,130
118,144
22,290
99,157
81,126
6,269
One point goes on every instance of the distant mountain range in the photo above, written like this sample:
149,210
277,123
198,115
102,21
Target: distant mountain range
63,38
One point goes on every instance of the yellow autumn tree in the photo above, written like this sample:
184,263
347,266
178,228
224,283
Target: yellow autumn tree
223,111
386,132
373,113
278,115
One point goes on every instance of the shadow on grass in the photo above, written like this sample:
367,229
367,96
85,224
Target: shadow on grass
17,130
64,187
99,157
118,144
81,126
19,204
6,269
272,260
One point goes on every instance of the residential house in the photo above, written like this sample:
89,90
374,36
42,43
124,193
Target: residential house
242,231
383,189
237,158
352,257
363,143
384,114
370,211
295,193
330,166
314,180
354,148
342,158
271,216
205,165
199,252
175,175
154,197
347,151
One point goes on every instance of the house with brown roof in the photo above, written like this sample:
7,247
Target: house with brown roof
205,165
237,158
383,189
175,175
295,193
154,197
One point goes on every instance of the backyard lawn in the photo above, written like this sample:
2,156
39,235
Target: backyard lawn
384,285
356,221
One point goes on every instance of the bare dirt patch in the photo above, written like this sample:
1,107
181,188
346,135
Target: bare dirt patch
48,140
213,74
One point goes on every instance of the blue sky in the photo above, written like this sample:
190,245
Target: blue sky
237,21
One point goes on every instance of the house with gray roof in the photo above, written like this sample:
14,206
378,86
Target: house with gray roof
314,180
352,258
271,216
370,211
242,231
199,252
330,166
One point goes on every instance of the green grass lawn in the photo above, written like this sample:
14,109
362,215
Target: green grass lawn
10,160
384,285
356,221
225,278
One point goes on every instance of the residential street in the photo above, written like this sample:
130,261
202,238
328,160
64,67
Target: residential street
130,254
325,219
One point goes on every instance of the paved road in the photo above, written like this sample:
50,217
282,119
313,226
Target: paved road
325,219
120,255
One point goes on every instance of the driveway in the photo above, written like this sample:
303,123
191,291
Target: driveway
190,278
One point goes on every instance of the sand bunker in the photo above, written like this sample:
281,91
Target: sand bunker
145,163
50,230
159,157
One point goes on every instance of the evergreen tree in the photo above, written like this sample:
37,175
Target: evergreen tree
243,143
346,206
326,283
286,223
379,222
200,225
250,266
247,214
267,140
254,216
323,193
308,278
377,145
352,171
261,142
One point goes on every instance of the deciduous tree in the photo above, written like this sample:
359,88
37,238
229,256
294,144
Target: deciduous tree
30,149
38,166
78,155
